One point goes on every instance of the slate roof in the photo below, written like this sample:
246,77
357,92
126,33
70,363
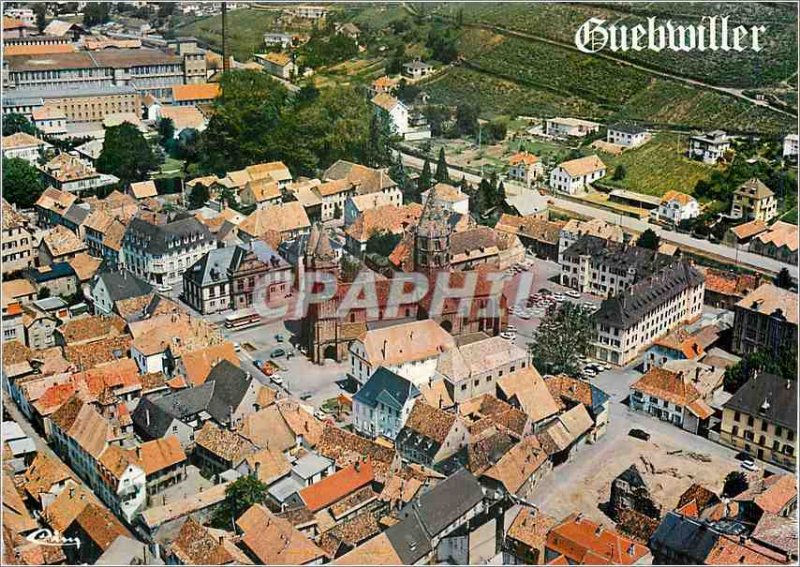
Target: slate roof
627,128
123,285
386,387
768,396
631,476
629,307
164,238
225,386
688,537
619,256
409,540
212,268
446,502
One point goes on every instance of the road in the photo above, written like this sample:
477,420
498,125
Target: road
683,241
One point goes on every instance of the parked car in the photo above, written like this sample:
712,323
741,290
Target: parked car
305,396
279,338
277,352
749,465
573,294
276,379
237,347
639,434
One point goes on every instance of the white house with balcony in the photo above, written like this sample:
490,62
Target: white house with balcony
676,207
395,110
627,135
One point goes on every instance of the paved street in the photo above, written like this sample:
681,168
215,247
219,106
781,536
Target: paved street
744,258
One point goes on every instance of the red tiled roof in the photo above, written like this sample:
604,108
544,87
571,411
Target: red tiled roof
583,541
337,486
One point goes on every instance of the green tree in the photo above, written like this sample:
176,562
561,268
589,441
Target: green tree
442,41
735,484
22,182
564,335
95,13
781,362
240,495
126,154
784,279
498,129
198,196
467,119
425,180
441,175
43,293
166,130
648,239
246,115
383,243
40,9
378,151
13,123
619,173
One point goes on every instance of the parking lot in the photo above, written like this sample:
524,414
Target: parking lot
299,377
541,282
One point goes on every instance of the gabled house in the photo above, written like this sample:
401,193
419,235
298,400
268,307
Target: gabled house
517,472
431,435
578,540
112,287
525,167
628,135
676,207
382,405
429,525
671,397
754,201
575,175
273,540
568,392
561,437
395,110
709,147
226,397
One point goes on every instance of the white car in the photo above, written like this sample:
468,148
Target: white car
573,294
507,336
560,297
237,347
524,315
749,465
276,379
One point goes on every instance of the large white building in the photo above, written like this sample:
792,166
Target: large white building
601,267
396,111
631,321
709,147
676,207
161,253
569,127
628,135
574,175
575,228
382,405
410,350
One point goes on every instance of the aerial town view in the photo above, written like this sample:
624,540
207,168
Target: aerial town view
401,283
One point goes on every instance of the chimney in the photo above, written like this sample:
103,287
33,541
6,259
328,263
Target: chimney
357,466
258,467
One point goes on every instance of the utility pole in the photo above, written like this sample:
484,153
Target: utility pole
225,52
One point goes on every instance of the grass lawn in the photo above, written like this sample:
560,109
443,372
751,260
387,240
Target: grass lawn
790,216
657,167
171,168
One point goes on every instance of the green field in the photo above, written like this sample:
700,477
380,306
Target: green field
657,166
506,75
775,63
246,28
497,96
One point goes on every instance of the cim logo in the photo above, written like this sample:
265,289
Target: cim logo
712,34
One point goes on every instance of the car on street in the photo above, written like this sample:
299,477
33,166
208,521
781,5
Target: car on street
276,379
573,294
321,415
639,434
749,465
279,338
237,347
305,396
277,352
560,297
507,336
